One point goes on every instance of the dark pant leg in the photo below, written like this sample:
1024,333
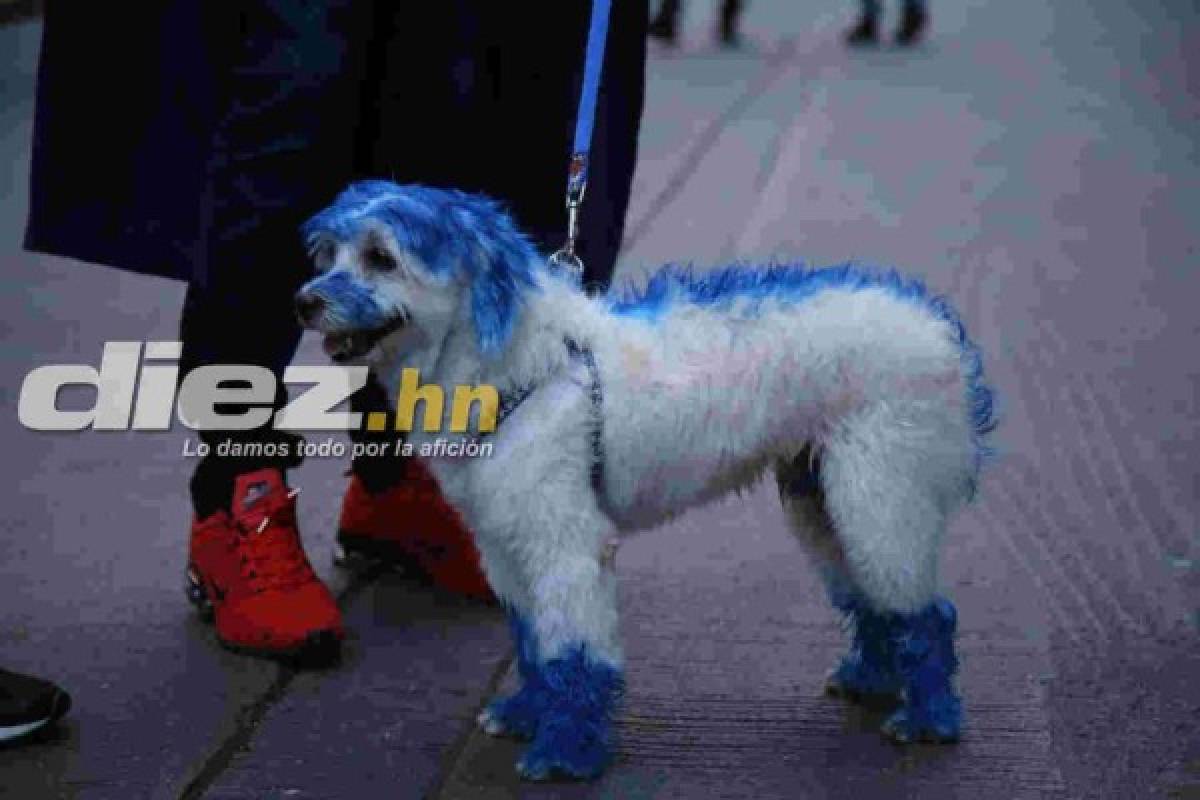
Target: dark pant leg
536,101
242,327
283,146
614,147
730,11
668,13
474,96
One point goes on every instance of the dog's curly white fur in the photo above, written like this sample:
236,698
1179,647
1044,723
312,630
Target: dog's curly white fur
858,389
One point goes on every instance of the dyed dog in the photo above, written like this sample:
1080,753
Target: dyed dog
860,391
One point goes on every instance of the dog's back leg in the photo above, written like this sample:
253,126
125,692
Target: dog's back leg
866,671
888,486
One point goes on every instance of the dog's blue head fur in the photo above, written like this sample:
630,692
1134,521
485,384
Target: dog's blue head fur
456,235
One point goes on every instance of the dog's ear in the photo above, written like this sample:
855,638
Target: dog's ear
498,286
499,269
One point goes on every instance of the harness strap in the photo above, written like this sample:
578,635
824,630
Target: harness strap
510,401
596,394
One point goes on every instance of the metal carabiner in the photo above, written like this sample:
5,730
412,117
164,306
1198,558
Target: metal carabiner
566,258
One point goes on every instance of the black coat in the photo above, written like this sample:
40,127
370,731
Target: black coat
189,139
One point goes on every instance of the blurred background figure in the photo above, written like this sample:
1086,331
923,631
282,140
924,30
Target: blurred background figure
914,20
665,25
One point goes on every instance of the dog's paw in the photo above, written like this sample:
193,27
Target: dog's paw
905,727
515,716
564,751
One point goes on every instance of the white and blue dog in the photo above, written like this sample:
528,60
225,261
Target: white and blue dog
861,391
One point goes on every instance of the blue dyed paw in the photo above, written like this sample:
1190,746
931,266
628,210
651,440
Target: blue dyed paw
515,716
926,658
869,671
565,750
938,720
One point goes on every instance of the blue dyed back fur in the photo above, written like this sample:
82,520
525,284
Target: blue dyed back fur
718,288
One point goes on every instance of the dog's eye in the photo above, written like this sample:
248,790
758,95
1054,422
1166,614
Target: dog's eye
378,259
323,256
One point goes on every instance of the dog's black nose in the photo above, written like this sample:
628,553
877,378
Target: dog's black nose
308,306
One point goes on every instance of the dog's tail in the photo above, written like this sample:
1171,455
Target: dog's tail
981,397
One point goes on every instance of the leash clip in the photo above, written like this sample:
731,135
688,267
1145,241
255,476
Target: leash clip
566,258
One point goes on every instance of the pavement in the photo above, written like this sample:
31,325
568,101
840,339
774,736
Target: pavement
1037,162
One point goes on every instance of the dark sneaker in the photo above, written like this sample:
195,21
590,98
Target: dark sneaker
912,25
248,572
866,32
28,704
727,30
412,526
665,26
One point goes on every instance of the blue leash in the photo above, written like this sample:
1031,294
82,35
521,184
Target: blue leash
585,119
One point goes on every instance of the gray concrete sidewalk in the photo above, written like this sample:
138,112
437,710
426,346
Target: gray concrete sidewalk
1036,163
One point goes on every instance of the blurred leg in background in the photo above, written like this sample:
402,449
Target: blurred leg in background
666,22
913,21
866,30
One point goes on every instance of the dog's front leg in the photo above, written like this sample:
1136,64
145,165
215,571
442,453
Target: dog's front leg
543,538
574,678
564,628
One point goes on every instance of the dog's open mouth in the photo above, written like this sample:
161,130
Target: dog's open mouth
344,346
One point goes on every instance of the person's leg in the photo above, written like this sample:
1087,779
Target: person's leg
614,147
393,512
252,324
416,126
535,106
494,111
247,568
727,29
913,22
282,147
866,30
665,25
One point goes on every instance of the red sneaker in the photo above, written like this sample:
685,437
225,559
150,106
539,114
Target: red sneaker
413,526
249,571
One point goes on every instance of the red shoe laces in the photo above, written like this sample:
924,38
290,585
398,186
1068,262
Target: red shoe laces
271,555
